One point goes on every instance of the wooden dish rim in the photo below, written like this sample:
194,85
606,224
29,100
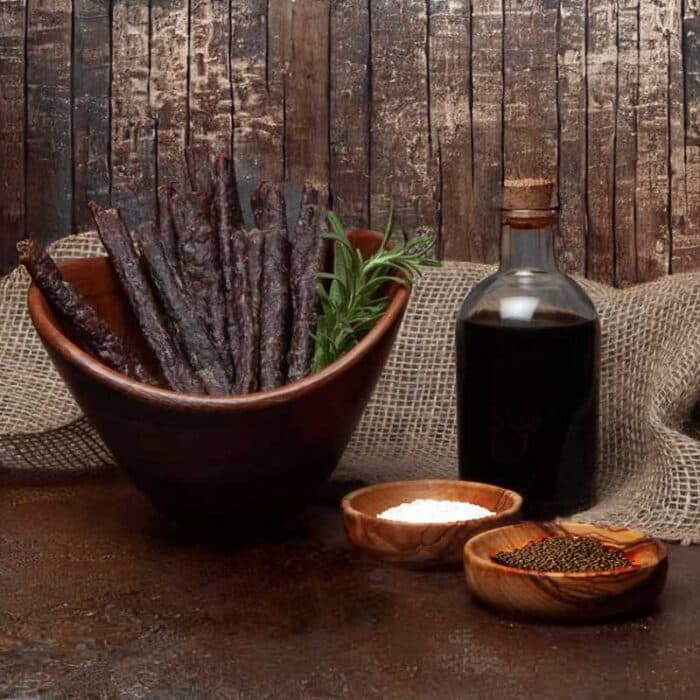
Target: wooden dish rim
470,556
47,327
348,509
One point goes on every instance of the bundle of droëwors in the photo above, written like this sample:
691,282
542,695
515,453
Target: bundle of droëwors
223,308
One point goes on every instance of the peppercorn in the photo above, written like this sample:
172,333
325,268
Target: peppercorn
563,554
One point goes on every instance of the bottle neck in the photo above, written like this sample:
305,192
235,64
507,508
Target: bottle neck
527,249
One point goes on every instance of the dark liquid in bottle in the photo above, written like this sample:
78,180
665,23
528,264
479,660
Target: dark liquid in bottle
528,408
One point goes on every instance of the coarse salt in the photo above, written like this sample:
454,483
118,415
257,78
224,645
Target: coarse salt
431,510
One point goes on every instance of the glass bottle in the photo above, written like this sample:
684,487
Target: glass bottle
528,345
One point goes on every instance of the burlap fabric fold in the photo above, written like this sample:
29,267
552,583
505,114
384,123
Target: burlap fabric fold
650,454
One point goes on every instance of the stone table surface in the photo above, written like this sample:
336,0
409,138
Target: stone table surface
102,598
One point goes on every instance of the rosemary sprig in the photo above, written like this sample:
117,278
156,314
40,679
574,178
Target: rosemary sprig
353,303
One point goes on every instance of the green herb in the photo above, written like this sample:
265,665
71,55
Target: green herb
354,301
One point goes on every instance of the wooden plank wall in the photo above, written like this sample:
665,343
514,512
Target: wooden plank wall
426,102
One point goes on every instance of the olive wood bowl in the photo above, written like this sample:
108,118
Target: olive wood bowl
584,596
217,460
423,544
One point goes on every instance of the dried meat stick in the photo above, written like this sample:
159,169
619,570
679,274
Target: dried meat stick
275,310
242,330
88,327
229,218
200,267
308,257
226,202
133,281
255,271
166,225
198,171
191,331
269,207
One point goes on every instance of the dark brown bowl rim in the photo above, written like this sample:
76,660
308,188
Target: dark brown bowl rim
470,556
85,363
349,510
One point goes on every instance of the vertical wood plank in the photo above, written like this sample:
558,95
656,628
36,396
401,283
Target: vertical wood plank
652,182
210,85
402,158
571,102
678,214
487,126
626,142
168,83
91,132
257,74
530,127
602,104
11,128
450,49
306,114
133,130
349,106
686,243
49,168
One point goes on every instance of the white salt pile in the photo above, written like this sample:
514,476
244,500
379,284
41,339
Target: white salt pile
430,510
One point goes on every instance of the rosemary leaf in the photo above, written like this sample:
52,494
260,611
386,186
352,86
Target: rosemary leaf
350,306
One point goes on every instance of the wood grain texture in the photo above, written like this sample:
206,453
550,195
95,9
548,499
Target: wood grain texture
602,104
12,127
350,110
653,177
678,205
686,243
91,63
423,544
210,87
402,155
133,129
169,84
306,104
49,191
530,123
582,596
627,84
487,125
257,75
571,104
380,99
449,28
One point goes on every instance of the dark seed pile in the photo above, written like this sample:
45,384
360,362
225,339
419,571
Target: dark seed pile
563,554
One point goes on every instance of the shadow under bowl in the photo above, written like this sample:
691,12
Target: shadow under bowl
580,596
212,461
423,544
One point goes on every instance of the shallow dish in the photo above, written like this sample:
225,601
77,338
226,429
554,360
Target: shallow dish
423,544
566,596
209,460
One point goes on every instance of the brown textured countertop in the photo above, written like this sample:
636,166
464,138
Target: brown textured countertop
102,598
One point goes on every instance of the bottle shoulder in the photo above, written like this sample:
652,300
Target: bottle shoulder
526,294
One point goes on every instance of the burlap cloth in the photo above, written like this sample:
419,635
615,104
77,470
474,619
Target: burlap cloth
650,461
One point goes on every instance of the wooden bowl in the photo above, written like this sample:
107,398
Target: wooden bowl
423,544
566,596
209,460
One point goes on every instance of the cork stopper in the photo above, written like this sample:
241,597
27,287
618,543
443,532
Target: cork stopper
528,193
527,202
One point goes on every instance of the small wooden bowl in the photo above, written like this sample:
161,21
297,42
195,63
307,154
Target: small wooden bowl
423,544
566,596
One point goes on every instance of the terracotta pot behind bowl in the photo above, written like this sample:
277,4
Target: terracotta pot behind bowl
209,461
